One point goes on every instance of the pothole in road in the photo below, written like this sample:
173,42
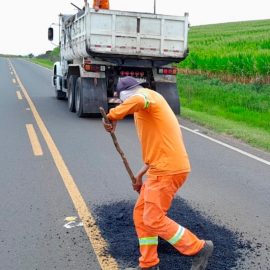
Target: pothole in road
116,225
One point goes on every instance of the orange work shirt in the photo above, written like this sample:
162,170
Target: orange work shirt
158,131
103,4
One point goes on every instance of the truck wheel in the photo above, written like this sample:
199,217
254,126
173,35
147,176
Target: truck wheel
170,92
79,89
90,95
71,92
60,95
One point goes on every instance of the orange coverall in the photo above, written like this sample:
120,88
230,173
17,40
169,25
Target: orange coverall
164,151
103,4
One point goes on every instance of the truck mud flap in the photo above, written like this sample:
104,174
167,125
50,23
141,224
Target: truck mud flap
94,95
170,92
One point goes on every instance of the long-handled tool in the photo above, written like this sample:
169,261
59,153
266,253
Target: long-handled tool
131,175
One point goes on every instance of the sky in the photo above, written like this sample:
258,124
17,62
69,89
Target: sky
24,24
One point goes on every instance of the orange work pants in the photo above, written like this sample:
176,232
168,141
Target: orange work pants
151,221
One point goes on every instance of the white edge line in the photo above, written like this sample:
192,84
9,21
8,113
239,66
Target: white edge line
227,146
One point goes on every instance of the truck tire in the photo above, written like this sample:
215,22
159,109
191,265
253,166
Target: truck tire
90,95
170,92
60,94
71,92
79,98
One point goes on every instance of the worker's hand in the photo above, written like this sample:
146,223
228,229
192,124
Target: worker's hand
139,178
138,184
110,127
96,8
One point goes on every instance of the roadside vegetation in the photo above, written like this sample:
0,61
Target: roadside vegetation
47,60
224,82
43,62
241,49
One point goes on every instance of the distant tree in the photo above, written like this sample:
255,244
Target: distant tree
53,55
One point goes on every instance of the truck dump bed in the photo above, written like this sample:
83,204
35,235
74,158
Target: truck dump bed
112,34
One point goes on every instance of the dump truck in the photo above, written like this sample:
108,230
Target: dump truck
99,48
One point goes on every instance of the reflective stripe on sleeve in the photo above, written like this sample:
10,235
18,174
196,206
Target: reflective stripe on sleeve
148,241
178,235
146,101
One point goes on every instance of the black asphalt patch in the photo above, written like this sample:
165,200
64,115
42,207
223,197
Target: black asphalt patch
116,224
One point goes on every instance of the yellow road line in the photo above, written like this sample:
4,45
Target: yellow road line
106,261
37,150
19,95
14,81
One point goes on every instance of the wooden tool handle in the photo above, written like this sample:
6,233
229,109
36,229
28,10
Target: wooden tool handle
131,175
104,115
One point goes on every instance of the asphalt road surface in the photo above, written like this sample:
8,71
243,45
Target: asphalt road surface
66,199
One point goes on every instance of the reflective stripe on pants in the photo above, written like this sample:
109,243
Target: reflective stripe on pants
151,221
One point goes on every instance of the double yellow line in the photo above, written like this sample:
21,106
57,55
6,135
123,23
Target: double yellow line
106,261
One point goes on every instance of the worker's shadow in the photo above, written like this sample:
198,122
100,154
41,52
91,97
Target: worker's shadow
116,225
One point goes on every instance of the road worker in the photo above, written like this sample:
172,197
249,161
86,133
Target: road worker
103,4
167,167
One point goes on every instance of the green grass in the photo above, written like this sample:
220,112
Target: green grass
240,49
43,62
233,108
254,136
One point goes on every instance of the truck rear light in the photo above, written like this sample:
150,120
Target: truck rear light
139,74
167,71
94,68
87,67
